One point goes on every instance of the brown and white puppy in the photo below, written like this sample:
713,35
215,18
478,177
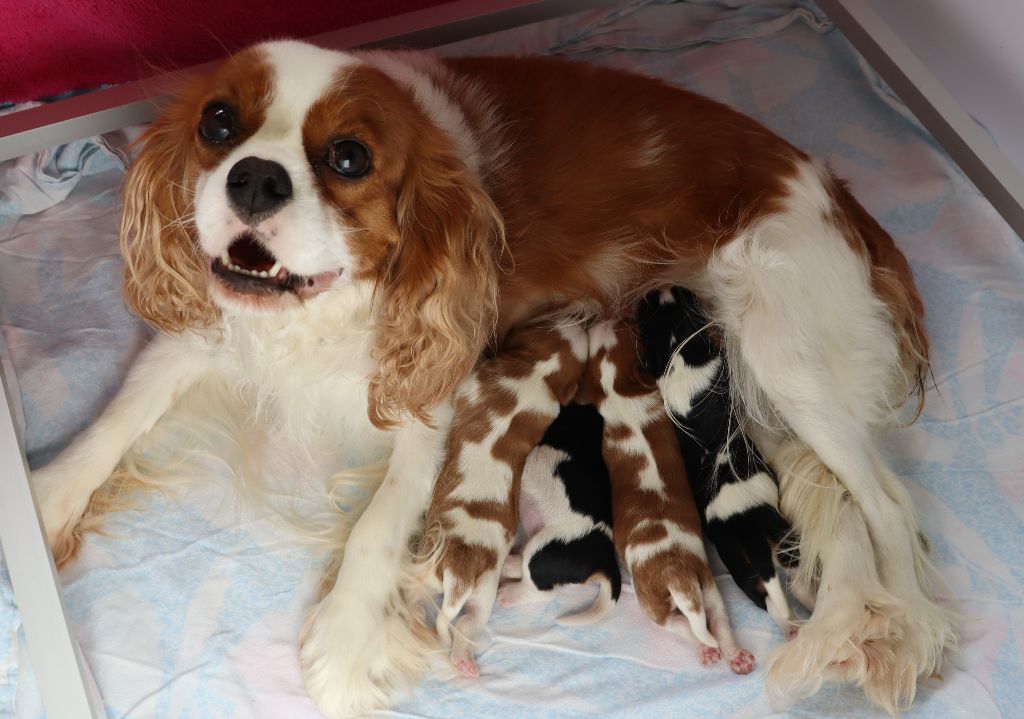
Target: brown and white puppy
736,493
656,524
502,411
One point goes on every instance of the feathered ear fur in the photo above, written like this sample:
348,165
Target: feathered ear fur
437,296
164,270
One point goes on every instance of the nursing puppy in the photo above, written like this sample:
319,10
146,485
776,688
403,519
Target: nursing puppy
658,531
736,493
566,514
502,411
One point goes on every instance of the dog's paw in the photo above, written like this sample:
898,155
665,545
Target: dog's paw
881,644
709,656
741,662
513,567
466,666
516,593
64,544
358,652
60,511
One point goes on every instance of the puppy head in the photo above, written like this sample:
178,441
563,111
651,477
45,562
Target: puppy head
291,170
671,321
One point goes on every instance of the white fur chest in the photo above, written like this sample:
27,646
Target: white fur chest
304,372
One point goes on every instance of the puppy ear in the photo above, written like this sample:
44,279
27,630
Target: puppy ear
437,297
164,271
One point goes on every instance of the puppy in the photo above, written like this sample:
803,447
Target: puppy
566,513
736,492
657,527
502,410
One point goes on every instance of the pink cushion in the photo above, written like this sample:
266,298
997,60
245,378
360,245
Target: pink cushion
51,46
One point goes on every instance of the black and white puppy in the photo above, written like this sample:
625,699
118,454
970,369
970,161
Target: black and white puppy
566,515
735,490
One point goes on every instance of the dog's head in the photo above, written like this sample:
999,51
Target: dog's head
292,169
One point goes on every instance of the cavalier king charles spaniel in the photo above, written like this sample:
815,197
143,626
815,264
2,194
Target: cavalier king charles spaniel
338,237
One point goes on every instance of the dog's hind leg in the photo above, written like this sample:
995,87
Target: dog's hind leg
513,567
473,620
815,350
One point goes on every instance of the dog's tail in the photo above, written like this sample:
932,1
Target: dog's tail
603,603
696,616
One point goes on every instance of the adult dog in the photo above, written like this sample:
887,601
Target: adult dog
339,236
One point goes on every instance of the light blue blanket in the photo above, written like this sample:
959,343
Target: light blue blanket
193,608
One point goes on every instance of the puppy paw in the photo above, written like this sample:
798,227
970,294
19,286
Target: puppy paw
709,655
466,667
742,662
513,567
516,593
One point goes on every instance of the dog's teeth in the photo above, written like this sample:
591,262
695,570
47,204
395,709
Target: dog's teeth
272,272
250,273
225,260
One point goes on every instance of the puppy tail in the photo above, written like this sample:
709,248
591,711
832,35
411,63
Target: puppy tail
696,616
777,605
603,603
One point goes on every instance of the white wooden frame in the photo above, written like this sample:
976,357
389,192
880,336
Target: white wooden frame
64,681
967,143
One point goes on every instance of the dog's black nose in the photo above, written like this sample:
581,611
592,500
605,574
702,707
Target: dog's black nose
258,188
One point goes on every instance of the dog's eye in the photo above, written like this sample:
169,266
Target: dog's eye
349,158
217,123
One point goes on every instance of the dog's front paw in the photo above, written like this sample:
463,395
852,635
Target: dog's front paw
358,651
61,512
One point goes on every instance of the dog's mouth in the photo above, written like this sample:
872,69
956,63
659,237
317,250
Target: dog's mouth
249,268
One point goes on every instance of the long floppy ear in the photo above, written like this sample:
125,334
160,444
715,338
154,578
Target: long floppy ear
438,295
164,269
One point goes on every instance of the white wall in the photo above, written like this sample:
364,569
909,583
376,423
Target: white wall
976,49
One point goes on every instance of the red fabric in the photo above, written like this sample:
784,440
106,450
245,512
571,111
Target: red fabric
51,46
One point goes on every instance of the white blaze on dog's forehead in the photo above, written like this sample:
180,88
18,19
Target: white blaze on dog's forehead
305,235
302,74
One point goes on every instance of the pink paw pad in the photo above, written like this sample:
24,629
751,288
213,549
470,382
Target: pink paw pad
791,633
468,668
742,662
709,655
